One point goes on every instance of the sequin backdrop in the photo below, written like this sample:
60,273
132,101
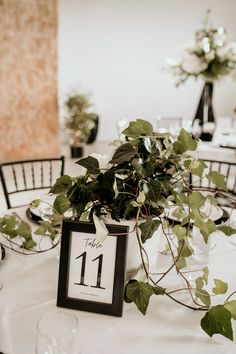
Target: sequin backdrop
29,125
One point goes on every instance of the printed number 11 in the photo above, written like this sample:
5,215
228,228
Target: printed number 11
83,266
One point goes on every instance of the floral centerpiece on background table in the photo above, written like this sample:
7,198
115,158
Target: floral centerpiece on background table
146,176
210,58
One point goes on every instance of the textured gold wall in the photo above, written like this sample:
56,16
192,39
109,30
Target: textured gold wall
29,124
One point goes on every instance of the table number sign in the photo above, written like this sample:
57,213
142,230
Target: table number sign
91,274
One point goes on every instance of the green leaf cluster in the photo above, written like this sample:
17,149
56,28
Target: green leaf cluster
13,227
79,120
140,293
146,176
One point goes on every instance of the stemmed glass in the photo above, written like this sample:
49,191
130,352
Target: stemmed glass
57,332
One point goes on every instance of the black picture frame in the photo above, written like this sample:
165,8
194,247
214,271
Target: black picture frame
99,285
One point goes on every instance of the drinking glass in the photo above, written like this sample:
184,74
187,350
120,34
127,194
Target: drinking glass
45,207
200,258
57,333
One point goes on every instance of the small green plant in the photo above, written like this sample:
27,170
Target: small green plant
79,121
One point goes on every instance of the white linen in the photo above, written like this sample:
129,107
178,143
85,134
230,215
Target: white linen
30,290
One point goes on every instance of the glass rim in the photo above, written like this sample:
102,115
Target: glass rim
47,315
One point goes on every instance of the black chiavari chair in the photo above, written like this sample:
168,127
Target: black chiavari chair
228,169
20,178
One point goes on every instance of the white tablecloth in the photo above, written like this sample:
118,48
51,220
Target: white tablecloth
30,290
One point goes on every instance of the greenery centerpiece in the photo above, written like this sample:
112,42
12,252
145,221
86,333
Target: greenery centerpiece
146,176
80,122
210,58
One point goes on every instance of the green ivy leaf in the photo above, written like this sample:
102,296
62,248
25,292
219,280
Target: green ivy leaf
184,248
205,274
155,189
62,184
141,197
199,283
179,213
123,153
158,290
61,204
137,164
186,140
218,320
35,203
204,296
148,228
56,219
206,227
90,163
220,287
212,200
227,230
201,280
231,307
218,179
41,230
138,128
179,148
181,262
29,244
115,188
179,231
198,168
196,200
24,230
148,144
46,228
140,293
8,225
127,300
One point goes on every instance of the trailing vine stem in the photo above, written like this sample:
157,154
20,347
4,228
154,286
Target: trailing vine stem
24,251
175,260
186,305
146,270
230,295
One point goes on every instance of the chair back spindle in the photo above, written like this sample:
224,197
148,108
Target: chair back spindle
29,175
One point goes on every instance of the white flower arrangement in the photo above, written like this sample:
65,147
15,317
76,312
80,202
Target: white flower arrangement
210,57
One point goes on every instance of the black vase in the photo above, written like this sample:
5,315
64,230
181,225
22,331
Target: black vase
76,151
205,114
94,131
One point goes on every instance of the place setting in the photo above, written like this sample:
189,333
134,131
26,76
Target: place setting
43,211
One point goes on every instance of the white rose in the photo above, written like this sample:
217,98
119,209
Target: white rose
192,64
232,50
210,56
227,52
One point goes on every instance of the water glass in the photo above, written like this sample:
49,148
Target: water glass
57,333
200,258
